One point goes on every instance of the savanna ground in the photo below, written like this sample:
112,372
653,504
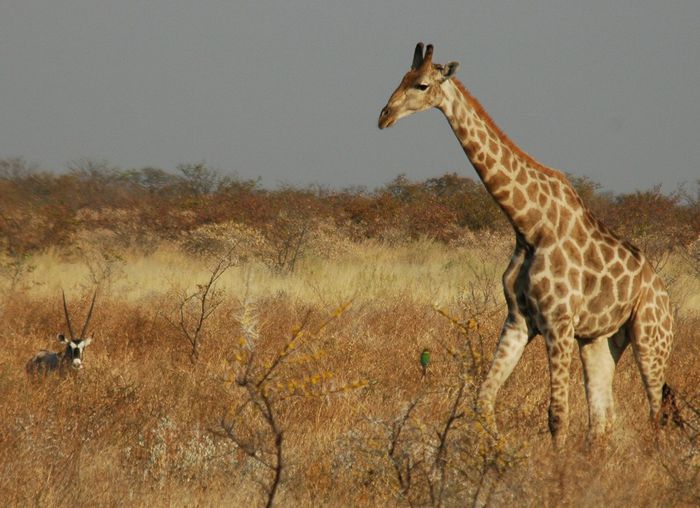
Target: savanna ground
252,344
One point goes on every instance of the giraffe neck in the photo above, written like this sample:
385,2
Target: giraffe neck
526,191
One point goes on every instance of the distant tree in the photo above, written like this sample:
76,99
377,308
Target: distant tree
199,179
16,169
152,179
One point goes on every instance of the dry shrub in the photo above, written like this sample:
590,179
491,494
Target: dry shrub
216,239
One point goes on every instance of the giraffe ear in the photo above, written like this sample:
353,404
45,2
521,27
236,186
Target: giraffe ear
449,70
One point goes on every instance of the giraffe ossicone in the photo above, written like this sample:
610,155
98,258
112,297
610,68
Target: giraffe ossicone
570,279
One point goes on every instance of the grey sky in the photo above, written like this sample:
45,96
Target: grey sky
291,91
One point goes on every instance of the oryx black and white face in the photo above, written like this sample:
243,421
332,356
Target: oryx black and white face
74,350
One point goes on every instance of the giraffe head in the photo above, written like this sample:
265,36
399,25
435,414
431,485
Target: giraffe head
420,89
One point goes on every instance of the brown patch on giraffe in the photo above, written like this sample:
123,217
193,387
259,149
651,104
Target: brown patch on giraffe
493,146
607,252
554,189
546,302
497,180
541,288
560,289
558,262
489,161
592,258
606,290
590,281
622,253
572,199
471,147
553,213
542,198
564,218
531,219
502,195
462,132
532,189
579,234
521,177
561,310
661,298
482,136
604,296
519,200
610,238
666,323
574,277
587,323
506,157
545,238
616,310
636,282
623,287
538,265
572,252
514,165
632,264
574,302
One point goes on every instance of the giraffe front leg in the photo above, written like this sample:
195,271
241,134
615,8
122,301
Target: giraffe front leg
514,338
560,341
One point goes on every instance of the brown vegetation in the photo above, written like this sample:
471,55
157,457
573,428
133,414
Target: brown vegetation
255,346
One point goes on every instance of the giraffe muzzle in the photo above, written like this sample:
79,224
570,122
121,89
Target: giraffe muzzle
385,118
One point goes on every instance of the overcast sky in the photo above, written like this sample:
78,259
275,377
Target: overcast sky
290,91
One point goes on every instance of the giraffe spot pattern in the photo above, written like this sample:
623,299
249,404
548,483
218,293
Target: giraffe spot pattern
592,258
532,217
519,200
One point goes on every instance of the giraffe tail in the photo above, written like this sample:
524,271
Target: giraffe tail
669,407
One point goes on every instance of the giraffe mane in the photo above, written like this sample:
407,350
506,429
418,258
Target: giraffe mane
504,137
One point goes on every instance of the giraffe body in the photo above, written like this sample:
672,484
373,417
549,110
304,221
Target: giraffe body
570,278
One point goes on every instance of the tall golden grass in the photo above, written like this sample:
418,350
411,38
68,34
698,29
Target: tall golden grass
146,424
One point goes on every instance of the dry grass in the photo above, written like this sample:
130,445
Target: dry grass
144,424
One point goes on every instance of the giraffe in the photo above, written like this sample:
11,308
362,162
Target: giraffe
570,278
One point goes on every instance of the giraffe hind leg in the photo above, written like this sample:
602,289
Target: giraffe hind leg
599,357
651,344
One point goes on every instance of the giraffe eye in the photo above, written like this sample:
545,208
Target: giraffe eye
421,86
